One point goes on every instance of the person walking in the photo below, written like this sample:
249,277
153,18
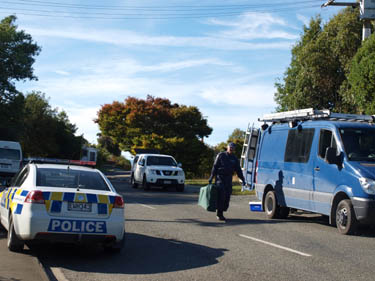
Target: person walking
226,163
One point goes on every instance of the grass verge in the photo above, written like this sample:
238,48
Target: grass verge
236,186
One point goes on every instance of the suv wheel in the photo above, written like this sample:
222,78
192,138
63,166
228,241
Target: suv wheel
180,187
145,184
132,181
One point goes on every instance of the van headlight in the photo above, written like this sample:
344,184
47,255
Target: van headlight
368,185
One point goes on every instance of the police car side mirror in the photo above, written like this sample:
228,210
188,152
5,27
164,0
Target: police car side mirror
331,156
179,165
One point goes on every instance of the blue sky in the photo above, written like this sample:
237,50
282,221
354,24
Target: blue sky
223,58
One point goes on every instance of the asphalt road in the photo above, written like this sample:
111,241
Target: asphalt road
169,237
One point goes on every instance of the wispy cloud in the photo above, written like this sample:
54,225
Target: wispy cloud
129,38
305,20
62,72
252,26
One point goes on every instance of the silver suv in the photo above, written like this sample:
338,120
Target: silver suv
159,170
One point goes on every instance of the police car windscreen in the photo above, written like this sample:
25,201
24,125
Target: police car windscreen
69,178
12,154
160,161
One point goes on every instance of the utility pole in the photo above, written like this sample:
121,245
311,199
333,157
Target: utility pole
367,13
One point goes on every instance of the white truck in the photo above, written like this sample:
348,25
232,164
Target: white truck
10,160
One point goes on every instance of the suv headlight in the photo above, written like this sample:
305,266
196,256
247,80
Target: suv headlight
368,185
181,173
154,172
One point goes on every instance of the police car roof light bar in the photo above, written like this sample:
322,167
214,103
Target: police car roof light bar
42,160
313,114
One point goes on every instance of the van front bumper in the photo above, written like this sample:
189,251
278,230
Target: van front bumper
364,209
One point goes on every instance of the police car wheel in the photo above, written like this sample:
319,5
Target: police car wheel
14,243
116,247
346,222
2,228
270,205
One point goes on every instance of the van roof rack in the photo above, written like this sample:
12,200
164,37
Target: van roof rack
313,114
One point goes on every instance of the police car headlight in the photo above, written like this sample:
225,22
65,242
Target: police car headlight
181,173
368,185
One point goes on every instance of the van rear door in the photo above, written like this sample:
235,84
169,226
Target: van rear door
248,155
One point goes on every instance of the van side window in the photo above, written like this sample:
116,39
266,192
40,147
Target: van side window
326,139
298,145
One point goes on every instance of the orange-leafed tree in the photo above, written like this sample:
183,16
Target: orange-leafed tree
157,123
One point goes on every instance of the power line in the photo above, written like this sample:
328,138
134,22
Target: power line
150,13
158,8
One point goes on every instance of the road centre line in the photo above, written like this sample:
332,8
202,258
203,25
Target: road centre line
275,245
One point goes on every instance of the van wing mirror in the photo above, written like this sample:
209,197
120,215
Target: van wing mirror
331,156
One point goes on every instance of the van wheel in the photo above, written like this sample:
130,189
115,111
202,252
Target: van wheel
283,212
270,205
14,243
132,181
346,221
145,185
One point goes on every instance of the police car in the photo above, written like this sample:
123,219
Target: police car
62,201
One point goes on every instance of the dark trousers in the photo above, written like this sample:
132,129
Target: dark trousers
224,191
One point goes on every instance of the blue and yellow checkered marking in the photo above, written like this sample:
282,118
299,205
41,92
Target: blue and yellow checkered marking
53,200
7,197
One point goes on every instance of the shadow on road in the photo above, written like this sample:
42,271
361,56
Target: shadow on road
142,255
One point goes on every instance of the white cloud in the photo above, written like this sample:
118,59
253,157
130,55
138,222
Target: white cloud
128,38
241,95
83,117
252,26
305,20
62,72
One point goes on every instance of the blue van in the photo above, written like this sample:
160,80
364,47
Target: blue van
314,160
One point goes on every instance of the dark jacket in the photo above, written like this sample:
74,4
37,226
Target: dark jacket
225,165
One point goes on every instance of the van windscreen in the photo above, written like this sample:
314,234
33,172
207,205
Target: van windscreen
12,154
359,143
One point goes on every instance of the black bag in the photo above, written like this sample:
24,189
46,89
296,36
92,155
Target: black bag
208,197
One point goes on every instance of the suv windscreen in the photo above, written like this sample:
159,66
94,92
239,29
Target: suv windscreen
359,143
12,154
160,161
53,177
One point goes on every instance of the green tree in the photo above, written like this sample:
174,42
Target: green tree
47,132
361,78
107,144
320,64
237,137
157,123
17,52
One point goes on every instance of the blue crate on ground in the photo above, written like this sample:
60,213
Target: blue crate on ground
255,206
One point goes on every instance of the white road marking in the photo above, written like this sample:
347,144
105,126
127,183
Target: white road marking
147,206
59,275
276,246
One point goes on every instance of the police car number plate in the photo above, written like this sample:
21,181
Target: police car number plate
167,182
80,207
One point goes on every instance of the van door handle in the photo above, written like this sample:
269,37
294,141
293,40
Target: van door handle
317,169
